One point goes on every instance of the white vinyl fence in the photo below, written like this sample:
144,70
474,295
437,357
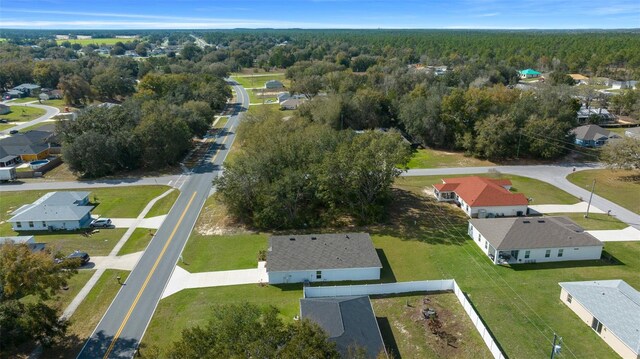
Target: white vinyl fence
407,287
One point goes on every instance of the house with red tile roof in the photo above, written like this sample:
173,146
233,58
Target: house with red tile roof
482,197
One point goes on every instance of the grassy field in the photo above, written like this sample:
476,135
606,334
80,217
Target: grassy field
407,335
96,244
225,252
24,100
423,239
596,221
23,114
138,241
258,81
59,103
258,97
541,192
37,126
163,206
97,41
428,158
271,109
621,187
88,314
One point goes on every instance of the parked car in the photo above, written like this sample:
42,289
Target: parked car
83,256
101,223
2,120
13,132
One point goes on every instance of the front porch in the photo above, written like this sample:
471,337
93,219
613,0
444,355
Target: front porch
445,196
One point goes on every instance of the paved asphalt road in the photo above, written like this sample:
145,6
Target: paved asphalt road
123,325
555,175
50,112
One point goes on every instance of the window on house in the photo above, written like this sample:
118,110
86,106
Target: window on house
527,254
486,244
569,298
18,225
479,238
596,325
44,224
560,252
319,274
547,254
30,224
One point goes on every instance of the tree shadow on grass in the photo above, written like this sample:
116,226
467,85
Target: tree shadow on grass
417,217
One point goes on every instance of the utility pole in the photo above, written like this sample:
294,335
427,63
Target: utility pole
556,348
593,187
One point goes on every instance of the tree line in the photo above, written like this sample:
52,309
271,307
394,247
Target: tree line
295,173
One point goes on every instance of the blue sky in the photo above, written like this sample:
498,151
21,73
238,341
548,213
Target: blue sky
216,14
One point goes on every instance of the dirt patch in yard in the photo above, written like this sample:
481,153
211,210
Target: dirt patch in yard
214,220
427,325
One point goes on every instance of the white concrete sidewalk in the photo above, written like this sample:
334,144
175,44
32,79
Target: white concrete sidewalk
151,223
621,235
125,262
181,279
566,208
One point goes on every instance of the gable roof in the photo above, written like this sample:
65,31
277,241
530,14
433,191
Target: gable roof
54,206
590,133
531,233
349,321
321,251
614,303
578,77
30,142
26,87
479,191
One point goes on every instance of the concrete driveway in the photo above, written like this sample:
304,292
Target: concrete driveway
566,208
152,223
621,235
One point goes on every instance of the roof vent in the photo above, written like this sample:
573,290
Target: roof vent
526,222
541,221
314,238
292,239
347,236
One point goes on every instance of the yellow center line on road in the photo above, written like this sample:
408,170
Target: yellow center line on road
144,285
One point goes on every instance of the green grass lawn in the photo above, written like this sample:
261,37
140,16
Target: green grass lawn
21,113
97,41
216,253
249,81
96,244
24,100
428,158
271,109
621,187
138,241
37,126
88,314
596,221
221,122
163,206
541,192
192,307
256,97
59,103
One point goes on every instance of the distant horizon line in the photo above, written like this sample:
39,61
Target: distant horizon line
327,28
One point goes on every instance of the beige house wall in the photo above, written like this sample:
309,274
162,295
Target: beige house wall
616,344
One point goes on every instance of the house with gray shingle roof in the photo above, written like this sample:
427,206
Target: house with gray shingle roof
322,257
54,211
349,322
533,239
591,136
611,308
29,241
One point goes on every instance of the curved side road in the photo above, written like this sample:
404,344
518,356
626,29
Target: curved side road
50,112
555,175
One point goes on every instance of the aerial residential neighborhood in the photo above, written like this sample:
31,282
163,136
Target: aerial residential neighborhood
338,180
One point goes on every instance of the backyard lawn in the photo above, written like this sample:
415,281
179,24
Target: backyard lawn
222,252
621,187
23,114
428,158
88,314
407,335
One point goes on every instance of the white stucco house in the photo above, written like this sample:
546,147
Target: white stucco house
322,257
611,308
54,211
533,239
481,197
